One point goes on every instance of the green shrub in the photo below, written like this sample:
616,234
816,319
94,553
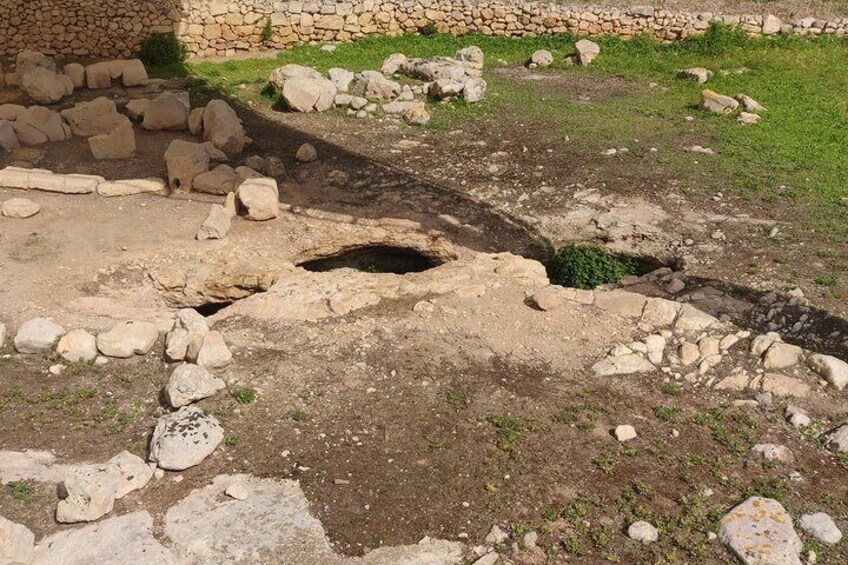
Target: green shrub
160,49
587,266
429,29
267,31
245,395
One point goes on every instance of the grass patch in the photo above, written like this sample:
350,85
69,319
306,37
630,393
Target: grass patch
509,434
245,395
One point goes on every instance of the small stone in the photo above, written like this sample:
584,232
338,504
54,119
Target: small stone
797,416
625,433
19,208
190,383
643,532
77,346
747,118
542,58
585,52
127,339
717,103
781,355
214,353
772,452
184,439
698,74
831,369
496,536
259,199
821,526
306,153
836,439
216,225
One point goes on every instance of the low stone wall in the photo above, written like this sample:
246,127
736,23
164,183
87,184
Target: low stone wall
214,28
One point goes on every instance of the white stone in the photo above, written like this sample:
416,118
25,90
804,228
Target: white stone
259,199
821,526
643,532
772,452
542,58
760,531
184,439
833,370
186,336
222,128
585,51
216,225
837,439
126,339
781,355
190,383
91,492
130,187
623,365
37,335
20,208
16,543
214,353
625,433
77,345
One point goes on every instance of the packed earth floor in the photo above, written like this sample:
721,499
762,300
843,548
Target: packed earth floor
402,369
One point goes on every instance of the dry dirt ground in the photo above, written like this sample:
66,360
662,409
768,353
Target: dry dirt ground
435,414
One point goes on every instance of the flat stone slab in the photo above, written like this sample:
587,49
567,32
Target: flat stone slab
760,531
38,466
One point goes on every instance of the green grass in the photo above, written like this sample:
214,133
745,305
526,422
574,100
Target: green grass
245,395
794,157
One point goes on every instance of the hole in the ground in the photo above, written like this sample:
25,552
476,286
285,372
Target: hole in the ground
211,308
588,266
375,259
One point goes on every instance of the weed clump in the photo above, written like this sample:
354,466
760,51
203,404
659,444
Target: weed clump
587,266
162,49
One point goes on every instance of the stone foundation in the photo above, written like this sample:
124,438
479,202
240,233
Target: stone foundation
214,28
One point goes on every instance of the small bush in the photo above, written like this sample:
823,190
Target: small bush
160,49
267,32
429,29
587,266
245,395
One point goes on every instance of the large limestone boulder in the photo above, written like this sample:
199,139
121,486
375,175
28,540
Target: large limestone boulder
28,60
129,187
214,353
38,125
309,94
439,68
374,86
760,531
542,58
98,76
341,78
259,199
184,439
117,144
133,72
190,383
223,179
185,161
222,128
394,64
37,335
166,112
76,73
473,90
126,339
46,86
96,117
280,75
833,370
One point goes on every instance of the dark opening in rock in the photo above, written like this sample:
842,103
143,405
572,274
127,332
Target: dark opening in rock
211,308
375,259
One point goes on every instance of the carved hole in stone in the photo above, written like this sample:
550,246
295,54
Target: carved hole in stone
375,259
212,308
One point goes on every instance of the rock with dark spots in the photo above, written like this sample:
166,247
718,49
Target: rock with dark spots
184,439
760,531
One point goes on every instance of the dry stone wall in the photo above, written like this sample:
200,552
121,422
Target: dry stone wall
114,28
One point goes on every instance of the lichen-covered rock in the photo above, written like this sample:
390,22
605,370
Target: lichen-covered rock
190,383
184,439
760,531
717,103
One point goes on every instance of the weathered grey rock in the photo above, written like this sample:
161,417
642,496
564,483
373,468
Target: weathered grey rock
126,339
341,78
760,531
46,86
438,68
259,199
833,370
797,416
691,319
306,153
20,208
821,526
223,179
8,138
17,543
91,492
643,532
185,161
37,335
309,94
747,118
542,58
30,465
184,439
444,89
77,345
771,25
214,353
124,539
37,125
472,56
130,187
585,52
401,106
222,128
621,303
717,103
393,64
117,144
186,335
772,452
761,343
698,74
836,439
750,104
374,86
216,225
783,385
781,355
165,112
76,73
623,365
473,90
190,383
280,75
273,524
96,117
